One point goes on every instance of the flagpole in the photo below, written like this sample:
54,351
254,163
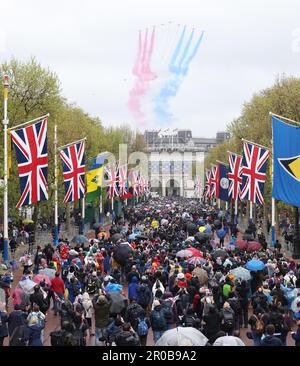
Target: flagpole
236,211
55,189
112,209
83,215
100,207
273,221
71,143
251,212
31,121
5,188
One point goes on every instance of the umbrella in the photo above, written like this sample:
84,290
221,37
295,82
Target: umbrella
253,246
202,229
196,252
255,265
219,253
28,221
40,278
228,341
217,224
27,285
294,305
201,274
230,247
118,302
202,237
241,244
122,253
221,233
79,239
248,237
191,228
241,273
182,336
116,237
184,253
196,260
97,225
49,272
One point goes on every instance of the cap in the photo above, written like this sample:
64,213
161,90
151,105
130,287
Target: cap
180,276
108,278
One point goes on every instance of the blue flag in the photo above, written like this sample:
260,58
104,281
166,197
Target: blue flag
223,183
286,162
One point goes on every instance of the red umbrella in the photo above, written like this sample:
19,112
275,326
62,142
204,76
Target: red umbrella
241,244
41,277
253,246
196,252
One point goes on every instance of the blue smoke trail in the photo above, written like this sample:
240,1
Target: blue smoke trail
179,71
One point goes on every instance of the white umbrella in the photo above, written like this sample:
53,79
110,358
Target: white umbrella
49,272
229,341
294,306
182,336
242,273
27,285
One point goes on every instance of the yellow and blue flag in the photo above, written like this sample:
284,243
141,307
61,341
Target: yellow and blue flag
286,162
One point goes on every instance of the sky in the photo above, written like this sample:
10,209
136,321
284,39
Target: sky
92,46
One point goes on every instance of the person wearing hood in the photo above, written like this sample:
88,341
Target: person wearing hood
127,337
34,332
227,314
88,310
16,326
290,278
144,294
112,285
158,321
101,307
132,289
270,340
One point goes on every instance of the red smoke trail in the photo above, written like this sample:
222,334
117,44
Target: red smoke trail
142,70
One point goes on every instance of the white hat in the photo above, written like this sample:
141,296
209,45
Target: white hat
180,276
108,278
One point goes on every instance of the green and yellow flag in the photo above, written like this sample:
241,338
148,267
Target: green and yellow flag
93,178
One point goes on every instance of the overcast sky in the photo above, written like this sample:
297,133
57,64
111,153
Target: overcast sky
92,44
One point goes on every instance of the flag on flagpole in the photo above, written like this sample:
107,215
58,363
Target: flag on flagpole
30,145
73,164
111,180
214,181
223,182
286,162
235,175
94,178
207,187
255,161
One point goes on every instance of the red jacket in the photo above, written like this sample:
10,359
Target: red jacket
57,285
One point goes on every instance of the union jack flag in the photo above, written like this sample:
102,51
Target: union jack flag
135,183
198,187
73,171
214,181
111,180
254,169
122,181
206,192
234,176
32,156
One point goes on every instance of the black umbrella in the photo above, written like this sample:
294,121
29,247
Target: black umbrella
97,226
202,237
142,237
217,224
122,253
116,237
79,239
248,237
191,228
220,253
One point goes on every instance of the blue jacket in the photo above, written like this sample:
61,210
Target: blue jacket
132,289
3,324
72,293
271,341
34,335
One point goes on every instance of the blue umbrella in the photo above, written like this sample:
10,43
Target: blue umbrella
255,265
221,233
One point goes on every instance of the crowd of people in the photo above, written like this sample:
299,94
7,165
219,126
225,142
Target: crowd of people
165,264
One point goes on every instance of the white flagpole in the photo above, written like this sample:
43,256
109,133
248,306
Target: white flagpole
5,188
273,221
236,211
226,206
55,189
112,209
100,207
251,212
83,215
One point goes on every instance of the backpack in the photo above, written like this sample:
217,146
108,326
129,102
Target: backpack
168,311
228,319
158,320
259,326
142,328
57,338
143,297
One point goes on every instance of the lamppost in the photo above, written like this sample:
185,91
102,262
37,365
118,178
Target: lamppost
296,239
6,80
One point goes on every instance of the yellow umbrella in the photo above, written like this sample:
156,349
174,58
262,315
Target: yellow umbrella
202,229
28,221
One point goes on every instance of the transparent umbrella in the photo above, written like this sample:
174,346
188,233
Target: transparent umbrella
182,336
228,341
242,273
